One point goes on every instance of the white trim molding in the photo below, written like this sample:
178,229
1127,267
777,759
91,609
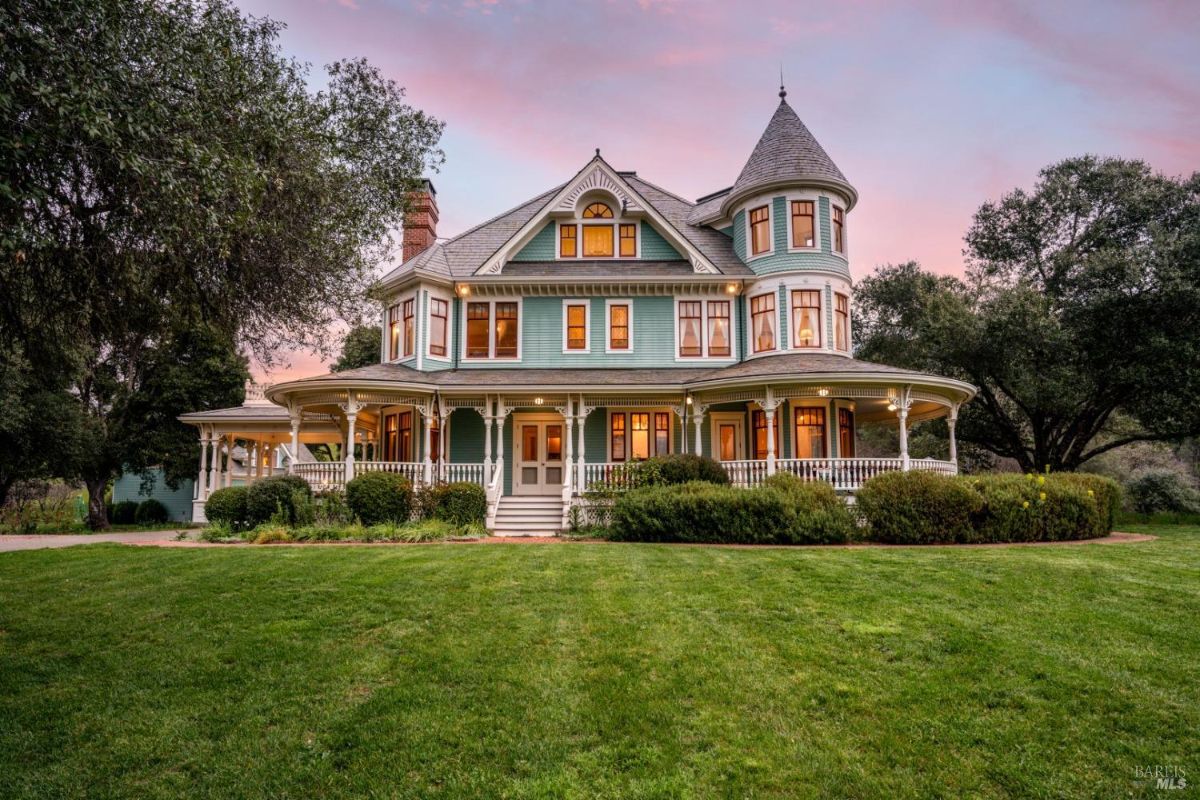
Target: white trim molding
608,304
587,325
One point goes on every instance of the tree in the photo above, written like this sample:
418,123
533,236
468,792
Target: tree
360,348
1079,319
164,168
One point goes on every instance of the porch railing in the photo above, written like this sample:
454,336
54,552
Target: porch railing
326,475
413,470
321,475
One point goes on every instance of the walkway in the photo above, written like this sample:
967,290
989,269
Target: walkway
43,541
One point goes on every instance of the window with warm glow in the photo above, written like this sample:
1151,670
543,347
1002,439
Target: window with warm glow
803,224
845,433
389,438
566,241
690,343
839,230
598,211
394,332
478,329
806,318
576,327
409,328
810,433
404,438
662,433
758,421
728,438
506,330
439,314
628,241
617,437
639,436
618,327
597,241
760,230
718,328
841,322
762,322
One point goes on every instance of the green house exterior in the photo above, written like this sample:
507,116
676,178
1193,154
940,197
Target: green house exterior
605,321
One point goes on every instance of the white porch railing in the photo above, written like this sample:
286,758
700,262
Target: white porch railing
471,473
321,475
746,473
326,475
413,470
608,475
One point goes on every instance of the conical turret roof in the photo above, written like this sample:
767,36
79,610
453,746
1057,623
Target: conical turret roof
787,152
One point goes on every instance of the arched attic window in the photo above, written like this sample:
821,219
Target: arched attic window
598,211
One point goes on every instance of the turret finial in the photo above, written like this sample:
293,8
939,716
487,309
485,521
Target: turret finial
782,91
597,152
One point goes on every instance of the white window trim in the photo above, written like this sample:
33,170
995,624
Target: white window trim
608,304
849,322
750,298
845,251
400,358
626,410
815,199
791,318
433,295
812,402
616,222
491,356
741,419
587,325
769,204
704,357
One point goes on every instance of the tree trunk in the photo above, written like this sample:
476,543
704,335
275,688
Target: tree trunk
97,518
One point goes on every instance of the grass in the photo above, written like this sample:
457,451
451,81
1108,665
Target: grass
599,670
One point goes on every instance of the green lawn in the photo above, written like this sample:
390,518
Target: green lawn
598,670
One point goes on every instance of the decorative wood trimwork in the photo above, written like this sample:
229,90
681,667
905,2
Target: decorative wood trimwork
597,180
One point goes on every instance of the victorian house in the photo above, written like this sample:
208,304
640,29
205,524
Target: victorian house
605,321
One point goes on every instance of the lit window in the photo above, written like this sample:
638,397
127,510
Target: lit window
597,241
841,329
639,436
576,327
718,328
617,436
690,343
597,211
762,322
405,437
394,332
839,230
758,421
806,318
760,230
618,327
662,433
439,312
728,435
845,433
506,330
810,433
389,438
409,328
566,241
628,241
803,227
478,329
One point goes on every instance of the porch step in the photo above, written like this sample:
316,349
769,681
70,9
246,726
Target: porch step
528,516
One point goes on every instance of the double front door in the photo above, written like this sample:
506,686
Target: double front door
539,464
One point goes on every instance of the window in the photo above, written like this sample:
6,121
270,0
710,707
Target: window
718,328
760,230
841,322
845,433
394,332
390,439
618,326
566,241
810,433
662,433
762,322
639,436
478,329
597,241
409,328
690,344
839,230
597,211
617,436
439,313
806,318
435,440
577,314
506,330
803,227
628,241
728,435
758,421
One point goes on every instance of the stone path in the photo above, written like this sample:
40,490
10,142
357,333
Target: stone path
43,541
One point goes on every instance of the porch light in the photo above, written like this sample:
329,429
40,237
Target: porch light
463,290
731,288
891,406
537,401
689,401
823,392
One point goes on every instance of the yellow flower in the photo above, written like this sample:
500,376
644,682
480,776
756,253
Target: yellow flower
1091,493
1025,504
1041,480
1029,476
1042,496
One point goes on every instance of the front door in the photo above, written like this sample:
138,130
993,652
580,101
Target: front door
538,448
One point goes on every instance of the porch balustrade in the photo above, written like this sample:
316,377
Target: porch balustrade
326,475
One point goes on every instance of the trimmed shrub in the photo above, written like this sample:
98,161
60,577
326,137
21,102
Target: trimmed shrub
228,507
151,512
274,499
919,508
378,497
1160,490
460,503
1105,491
124,512
682,468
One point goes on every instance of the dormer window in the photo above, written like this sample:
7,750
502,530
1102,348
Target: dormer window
628,241
598,232
760,230
597,241
567,242
597,211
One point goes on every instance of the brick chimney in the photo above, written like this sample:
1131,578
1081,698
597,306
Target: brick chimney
420,223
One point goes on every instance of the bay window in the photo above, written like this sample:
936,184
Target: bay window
760,230
810,432
803,224
762,322
806,318
841,322
409,328
394,332
439,315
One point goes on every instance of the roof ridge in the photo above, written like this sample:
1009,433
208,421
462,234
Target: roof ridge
661,189
503,214
711,195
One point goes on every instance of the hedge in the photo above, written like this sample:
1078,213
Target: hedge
376,497
150,512
711,513
460,503
682,468
124,512
228,506
275,499
918,508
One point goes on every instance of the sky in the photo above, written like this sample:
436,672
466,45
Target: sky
928,108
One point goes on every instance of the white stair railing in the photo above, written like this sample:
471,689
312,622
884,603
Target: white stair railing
494,488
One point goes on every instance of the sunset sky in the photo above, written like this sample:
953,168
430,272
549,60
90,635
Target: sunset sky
928,108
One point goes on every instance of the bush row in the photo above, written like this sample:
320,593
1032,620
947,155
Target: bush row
281,498
147,512
925,508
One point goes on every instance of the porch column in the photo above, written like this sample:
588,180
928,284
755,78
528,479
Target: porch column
581,475
351,419
427,469
952,423
569,455
769,412
230,441
487,438
698,421
214,464
295,459
202,479
902,413
444,444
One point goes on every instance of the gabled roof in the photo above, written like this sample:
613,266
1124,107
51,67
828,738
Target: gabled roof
787,152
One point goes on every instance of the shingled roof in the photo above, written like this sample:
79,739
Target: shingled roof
787,151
